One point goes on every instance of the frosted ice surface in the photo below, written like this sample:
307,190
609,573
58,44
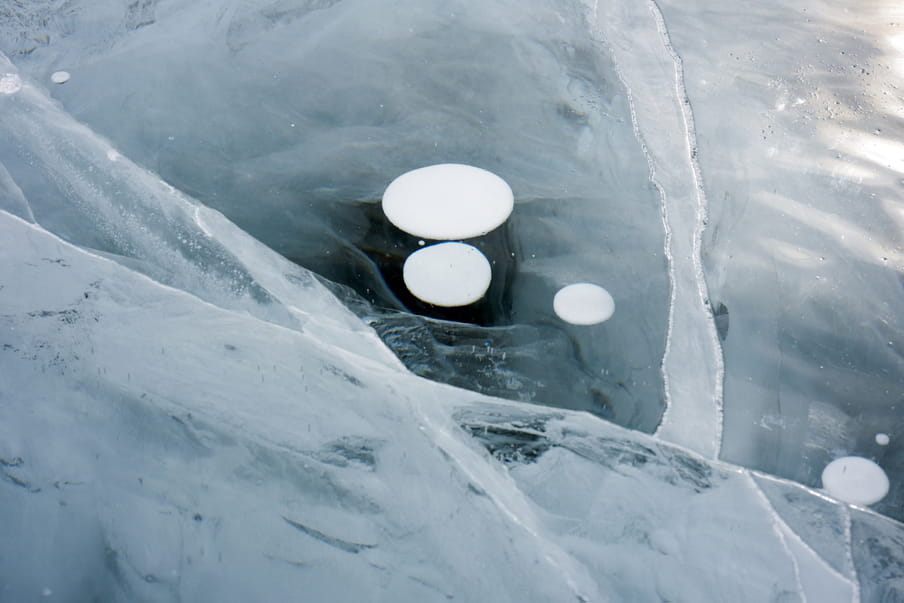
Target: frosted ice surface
877,556
183,438
169,449
818,521
188,412
10,83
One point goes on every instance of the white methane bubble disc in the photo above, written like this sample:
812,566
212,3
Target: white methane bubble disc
583,304
60,77
447,274
882,439
448,201
855,480
10,83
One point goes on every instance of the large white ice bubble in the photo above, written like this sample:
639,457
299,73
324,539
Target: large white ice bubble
856,480
583,304
448,201
447,274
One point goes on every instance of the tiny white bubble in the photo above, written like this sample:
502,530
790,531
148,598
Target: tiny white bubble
60,77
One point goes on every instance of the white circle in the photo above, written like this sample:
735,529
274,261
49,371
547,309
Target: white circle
60,77
882,439
447,274
448,201
583,304
10,83
855,480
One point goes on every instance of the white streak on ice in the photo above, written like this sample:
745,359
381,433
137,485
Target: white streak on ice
646,58
849,550
200,222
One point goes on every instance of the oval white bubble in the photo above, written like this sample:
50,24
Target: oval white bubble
448,201
60,77
583,304
855,480
447,274
882,439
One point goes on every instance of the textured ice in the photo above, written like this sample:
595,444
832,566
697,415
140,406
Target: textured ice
332,120
209,387
158,447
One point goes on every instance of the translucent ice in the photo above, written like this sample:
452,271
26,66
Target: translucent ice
199,295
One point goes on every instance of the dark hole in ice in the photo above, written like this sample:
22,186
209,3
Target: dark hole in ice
720,316
376,241
510,444
509,344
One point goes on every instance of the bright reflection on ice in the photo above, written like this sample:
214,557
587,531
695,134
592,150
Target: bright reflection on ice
848,235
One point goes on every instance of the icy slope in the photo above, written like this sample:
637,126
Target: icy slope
157,447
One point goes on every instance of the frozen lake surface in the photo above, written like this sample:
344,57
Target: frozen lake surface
214,386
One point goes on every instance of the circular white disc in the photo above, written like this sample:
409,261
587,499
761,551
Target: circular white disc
583,304
59,77
882,439
447,274
448,201
856,480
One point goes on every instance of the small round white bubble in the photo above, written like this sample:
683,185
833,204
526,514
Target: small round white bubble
60,77
10,83
447,274
583,304
882,439
855,480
